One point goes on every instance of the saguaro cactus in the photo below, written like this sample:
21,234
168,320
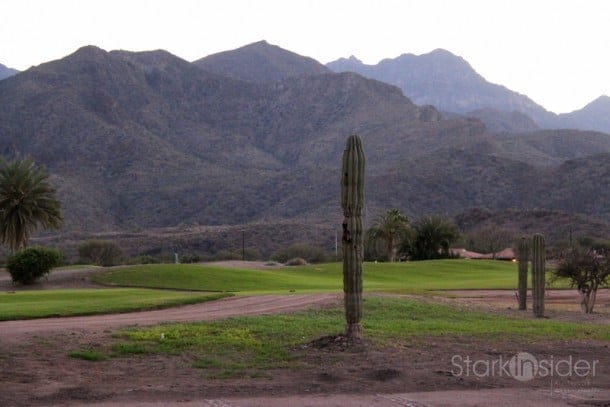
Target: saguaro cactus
523,257
352,202
538,268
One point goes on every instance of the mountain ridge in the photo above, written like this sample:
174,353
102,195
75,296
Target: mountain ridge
261,62
594,116
449,82
446,81
147,139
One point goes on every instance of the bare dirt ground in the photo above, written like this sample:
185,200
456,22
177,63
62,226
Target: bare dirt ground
563,305
35,369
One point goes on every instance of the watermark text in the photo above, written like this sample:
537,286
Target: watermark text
523,367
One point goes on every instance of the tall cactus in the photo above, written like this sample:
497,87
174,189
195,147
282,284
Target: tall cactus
523,257
352,202
538,268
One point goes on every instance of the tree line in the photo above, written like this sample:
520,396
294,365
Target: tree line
393,237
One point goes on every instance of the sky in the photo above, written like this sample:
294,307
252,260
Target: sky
554,51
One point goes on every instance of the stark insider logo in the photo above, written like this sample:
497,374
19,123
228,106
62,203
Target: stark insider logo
523,367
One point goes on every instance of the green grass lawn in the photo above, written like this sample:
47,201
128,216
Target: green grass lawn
248,346
411,277
55,303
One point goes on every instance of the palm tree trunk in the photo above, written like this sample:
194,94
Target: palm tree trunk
391,250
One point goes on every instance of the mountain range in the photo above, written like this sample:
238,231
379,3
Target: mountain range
448,82
145,140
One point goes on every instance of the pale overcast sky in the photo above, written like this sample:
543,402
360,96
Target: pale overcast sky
555,51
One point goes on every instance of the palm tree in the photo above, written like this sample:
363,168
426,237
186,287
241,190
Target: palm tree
390,227
433,237
27,201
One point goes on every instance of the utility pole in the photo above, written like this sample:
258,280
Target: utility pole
336,247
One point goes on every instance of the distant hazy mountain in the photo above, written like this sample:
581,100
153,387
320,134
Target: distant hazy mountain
594,116
446,81
147,140
449,83
5,72
261,62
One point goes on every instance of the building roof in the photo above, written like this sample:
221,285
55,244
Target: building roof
506,254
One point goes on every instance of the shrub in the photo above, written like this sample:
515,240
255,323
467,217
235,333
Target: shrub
100,252
311,254
28,265
190,258
586,270
248,254
252,254
144,259
297,261
89,354
223,255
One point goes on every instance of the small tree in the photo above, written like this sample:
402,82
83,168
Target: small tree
28,265
392,227
587,271
490,239
101,252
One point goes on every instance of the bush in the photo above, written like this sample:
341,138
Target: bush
100,252
144,259
252,254
248,254
223,255
311,254
190,258
27,266
297,261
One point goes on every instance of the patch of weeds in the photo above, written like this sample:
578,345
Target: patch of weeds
88,354
207,363
130,348
259,375
250,346
218,369
232,348
234,371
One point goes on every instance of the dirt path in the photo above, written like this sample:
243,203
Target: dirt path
562,305
224,308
